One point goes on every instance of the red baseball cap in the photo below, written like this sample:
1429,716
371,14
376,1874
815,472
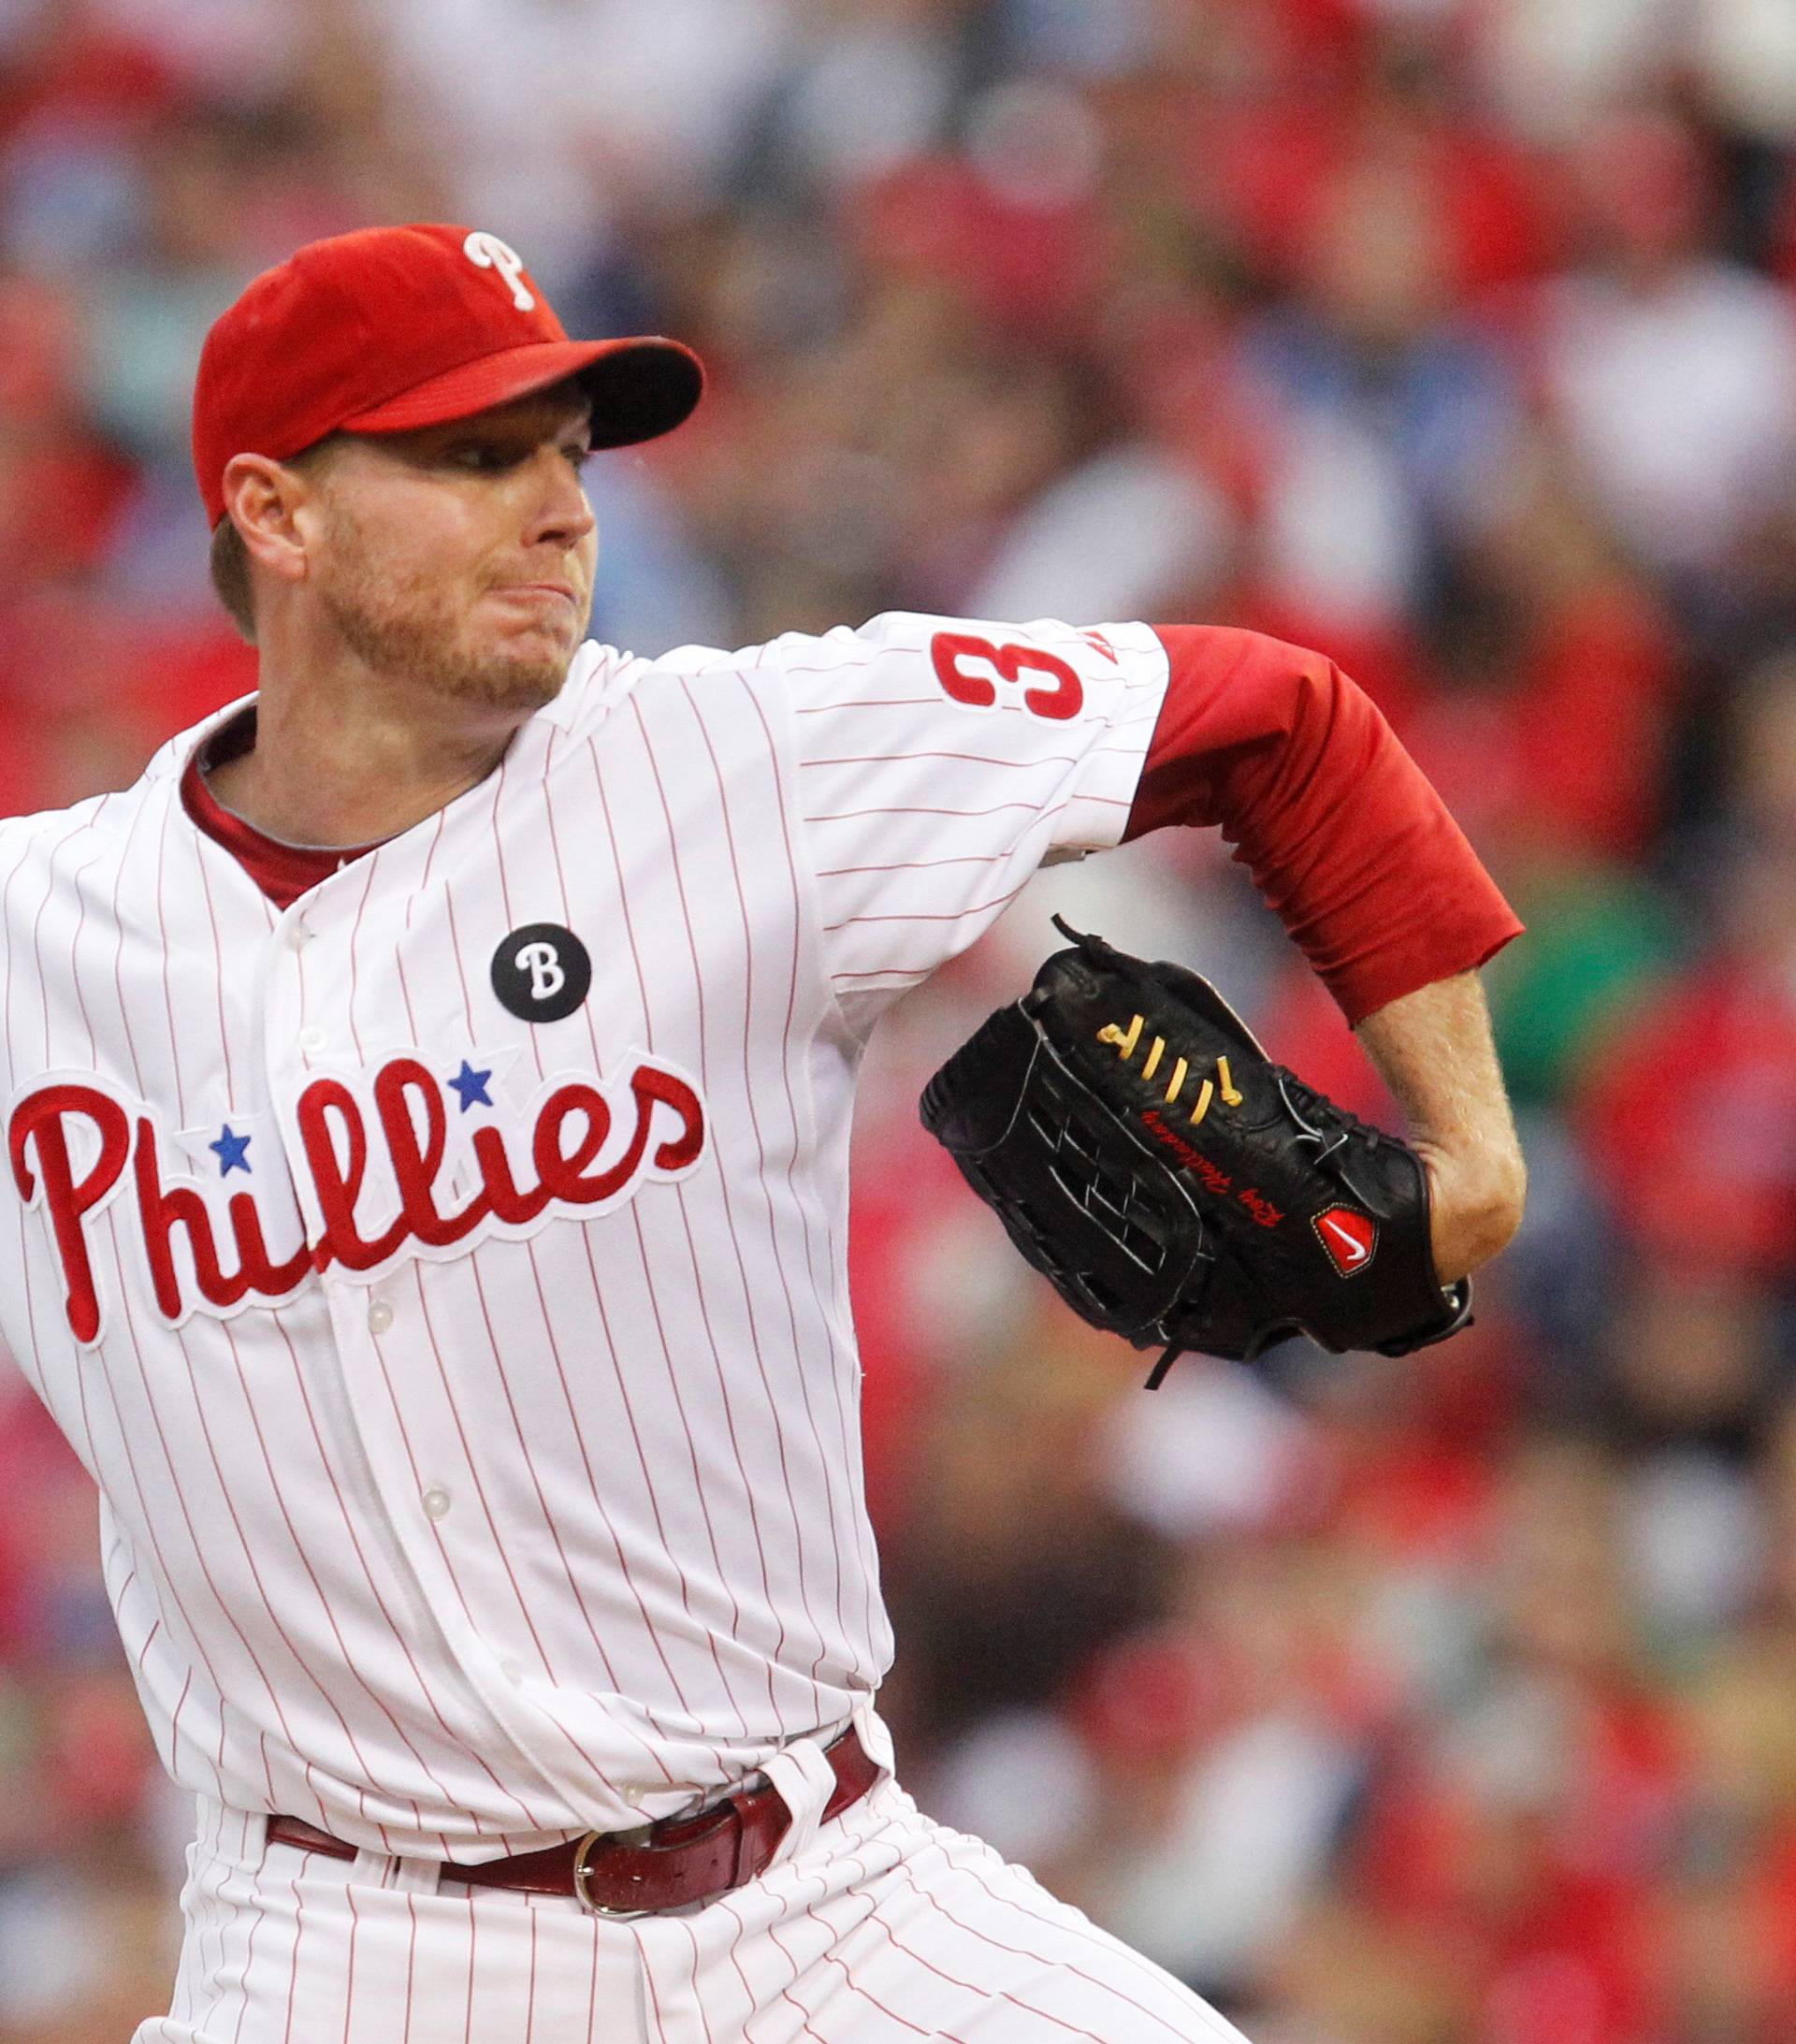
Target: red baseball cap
393,328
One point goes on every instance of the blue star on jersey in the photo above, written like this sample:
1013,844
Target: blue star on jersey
469,1085
229,1150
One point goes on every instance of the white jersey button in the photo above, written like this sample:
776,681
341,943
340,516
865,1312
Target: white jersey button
312,1037
380,1316
513,1674
435,1501
298,935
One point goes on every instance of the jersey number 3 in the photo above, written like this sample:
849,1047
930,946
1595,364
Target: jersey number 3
1059,695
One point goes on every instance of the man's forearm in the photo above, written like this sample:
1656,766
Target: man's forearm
1433,1048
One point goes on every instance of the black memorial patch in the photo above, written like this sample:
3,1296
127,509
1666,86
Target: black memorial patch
541,972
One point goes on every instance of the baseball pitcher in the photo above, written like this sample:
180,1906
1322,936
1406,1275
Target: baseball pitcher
426,1101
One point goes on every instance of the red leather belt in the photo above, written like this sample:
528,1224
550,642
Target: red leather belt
670,1864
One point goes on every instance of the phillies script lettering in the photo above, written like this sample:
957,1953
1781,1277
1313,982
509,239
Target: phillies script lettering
378,1141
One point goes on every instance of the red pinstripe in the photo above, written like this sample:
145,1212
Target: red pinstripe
692,1938
180,1702
837,667
727,1405
692,1453
249,1948
642,1463
424,877
918,915
863,703
973,759
854,816
365,865
167,986
73,947
916,865
293,1982
218,952
473,1922
641,984
118,951
410,1966
648,1982
37,947
305,999
578,1435
773,1232
848,1429
349,1982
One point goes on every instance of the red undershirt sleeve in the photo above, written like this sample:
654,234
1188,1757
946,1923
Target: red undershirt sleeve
1343,835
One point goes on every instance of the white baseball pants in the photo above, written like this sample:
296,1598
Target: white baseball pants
876,1928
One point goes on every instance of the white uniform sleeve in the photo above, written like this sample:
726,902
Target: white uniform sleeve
941,761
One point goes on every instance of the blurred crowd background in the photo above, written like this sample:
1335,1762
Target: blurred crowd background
1387,1703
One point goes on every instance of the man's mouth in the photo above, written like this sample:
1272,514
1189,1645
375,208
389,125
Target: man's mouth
547,592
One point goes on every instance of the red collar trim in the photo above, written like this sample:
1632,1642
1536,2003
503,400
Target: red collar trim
282,871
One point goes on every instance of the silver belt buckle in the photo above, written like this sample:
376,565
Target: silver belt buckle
582,1873
719,1810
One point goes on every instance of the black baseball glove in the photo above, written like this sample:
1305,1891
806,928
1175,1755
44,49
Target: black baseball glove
1178,1187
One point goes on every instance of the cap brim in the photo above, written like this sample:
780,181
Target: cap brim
641,387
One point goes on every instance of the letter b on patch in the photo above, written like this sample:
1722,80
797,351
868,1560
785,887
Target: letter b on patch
541,972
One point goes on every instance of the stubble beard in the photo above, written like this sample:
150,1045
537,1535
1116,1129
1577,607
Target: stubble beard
408,629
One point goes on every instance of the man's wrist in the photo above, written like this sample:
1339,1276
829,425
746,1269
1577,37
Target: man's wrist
1475,1202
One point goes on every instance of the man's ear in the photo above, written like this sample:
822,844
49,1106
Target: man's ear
263,499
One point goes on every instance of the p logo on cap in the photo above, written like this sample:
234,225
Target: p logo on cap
487,252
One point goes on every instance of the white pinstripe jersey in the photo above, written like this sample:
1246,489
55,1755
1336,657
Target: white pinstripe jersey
473,1396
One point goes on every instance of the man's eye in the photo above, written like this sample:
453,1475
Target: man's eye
481,456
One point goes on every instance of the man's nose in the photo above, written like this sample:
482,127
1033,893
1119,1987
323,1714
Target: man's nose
560,510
